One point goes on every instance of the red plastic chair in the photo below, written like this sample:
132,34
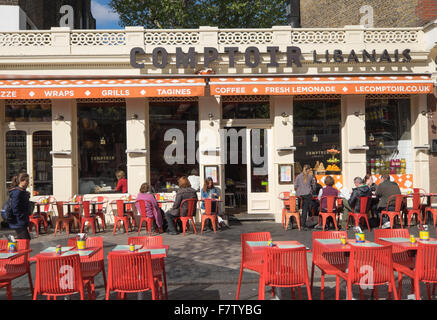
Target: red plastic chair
121,217
131,273
144,217
60,276
284,268
62,222
331,212
286,203
365,203
92,266
329,263
101,209
88,217
191,205
292,212
399,200
369,266
17,267
417,209
248,260
209,214
401,258
35,221
158,265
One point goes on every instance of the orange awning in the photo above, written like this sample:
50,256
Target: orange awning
321,85
101,88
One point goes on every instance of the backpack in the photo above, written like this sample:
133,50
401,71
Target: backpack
7,214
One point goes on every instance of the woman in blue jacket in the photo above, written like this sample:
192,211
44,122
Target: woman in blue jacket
20,204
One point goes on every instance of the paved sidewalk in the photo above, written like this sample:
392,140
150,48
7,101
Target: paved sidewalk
205,266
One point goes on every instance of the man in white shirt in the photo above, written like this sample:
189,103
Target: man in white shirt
194,179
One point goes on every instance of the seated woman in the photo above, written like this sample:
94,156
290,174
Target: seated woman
329,190
152,207
184,192
210,192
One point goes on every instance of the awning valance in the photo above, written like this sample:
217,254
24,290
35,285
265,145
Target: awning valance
321,85
101,88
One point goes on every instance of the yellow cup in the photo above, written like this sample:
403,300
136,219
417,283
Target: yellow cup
359,237
12,246
81,244
424,235
343,240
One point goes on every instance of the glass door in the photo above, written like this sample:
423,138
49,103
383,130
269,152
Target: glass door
16,154
42,163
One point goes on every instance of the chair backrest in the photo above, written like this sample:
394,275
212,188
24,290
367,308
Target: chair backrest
120,208
86,209
96,242
254,236
285,267
331,257
60,208
286,196
100,199
399,200
370,265
417,200
365,204
330,203
145,206
130,271
58,275
209,206
393,233
19,264
146,241
292,202
190,204
426,262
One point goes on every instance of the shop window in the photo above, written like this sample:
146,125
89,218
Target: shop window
388,135
173,145
317,136
16,158
102,145
37,112
42,163
246,110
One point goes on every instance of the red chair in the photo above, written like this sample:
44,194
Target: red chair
331,211
432,211
158,197
329,263
424,270
417,209
365,203
131,273
248,260
144,218
45,212
101,209
121,217
284,268
292,212
209,214
61,221
130,211
92,266
399,200
35,221
17,267
401,258
88,217
191,205
158,265
286,202
60,276
368,266
76,210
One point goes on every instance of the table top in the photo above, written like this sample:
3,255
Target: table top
156,252
164,201
405,243
335,245
259,246
11,255
66,251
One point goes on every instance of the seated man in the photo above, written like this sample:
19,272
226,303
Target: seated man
383,192
360,190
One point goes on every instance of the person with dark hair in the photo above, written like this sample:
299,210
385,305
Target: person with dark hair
21,207
360,190
384,191
369,182
304,186
329,190
184,192
152,208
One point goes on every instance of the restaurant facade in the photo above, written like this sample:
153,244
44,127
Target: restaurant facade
248,107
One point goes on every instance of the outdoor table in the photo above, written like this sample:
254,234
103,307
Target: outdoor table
66,251
4,254
335,245
405,244
156,252
257,247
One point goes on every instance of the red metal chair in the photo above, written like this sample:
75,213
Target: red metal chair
401,258
62,222
60,276
101,209
284,268
248,260
365,203
35,221
371,264
131,273
88,217
76,210
191,205
431,210
92,266
292,212
424,270
331,211
130,211
399,200
417,209
17,267
329,263
144,218
45,212
121,217
286,202
158,265
209,214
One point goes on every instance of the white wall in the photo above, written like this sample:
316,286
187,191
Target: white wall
10,18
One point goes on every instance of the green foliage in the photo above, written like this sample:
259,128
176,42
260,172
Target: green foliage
175,14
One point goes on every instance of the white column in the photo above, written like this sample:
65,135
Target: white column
137,138
64,135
